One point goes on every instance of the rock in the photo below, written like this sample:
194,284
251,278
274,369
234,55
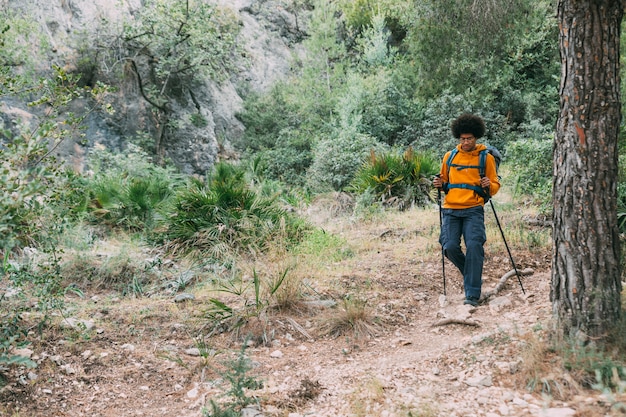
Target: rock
251,412
192,352
320,303
77,324
193,393
24,352
67,369
129,347
443,301
557,412
184,297
479,381
276,354
499,303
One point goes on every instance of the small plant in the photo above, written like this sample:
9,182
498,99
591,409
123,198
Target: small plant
560,367
236,374
531,162
12,335
354,316
246,309
128,191
198,120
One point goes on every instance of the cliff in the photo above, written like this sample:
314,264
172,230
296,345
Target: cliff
269,34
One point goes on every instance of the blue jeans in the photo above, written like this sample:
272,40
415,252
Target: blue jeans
470,223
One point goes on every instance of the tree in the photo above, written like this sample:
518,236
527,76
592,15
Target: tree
491,51
585,291
172,45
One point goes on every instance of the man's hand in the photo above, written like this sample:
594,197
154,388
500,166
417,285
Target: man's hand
437,182
485,182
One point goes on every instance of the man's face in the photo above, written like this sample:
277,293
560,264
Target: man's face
468,142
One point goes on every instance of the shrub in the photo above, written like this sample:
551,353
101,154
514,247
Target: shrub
128,190
530,164
222,215
337,158
395,179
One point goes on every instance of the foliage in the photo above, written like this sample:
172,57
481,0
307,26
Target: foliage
323,247
359,15
354,316
529,163
29,174
166,49
621,194
236,374
34,187
223,215
400,180
336,159
12,335
128,190
184,40
505,70
373,45
283,124
239,314
514,46
21,43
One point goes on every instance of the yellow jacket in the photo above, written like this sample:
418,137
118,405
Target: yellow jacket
462,198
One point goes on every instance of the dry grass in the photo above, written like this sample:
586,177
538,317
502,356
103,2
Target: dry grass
542,370
352,317
366,396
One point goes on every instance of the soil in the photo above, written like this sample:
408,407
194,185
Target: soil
142,356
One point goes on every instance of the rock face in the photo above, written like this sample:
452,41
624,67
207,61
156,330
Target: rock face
271,32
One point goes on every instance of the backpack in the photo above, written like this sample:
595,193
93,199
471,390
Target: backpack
481,170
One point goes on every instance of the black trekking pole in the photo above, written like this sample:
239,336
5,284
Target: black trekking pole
519,279
443,262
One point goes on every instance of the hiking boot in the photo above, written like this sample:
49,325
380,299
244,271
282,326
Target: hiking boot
473,301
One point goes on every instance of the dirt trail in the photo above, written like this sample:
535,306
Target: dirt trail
140,359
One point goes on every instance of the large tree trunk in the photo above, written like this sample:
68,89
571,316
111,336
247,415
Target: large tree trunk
585,291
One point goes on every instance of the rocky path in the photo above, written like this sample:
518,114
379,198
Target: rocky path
142,357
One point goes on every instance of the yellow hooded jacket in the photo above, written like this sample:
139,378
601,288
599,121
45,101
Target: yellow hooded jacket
462,198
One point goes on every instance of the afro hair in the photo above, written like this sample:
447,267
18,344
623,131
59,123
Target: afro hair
468,123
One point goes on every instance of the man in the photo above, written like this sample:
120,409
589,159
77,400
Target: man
463,207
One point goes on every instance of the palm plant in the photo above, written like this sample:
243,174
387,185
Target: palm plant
129,202
396,179
223,215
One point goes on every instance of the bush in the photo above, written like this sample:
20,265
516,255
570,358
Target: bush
223,215
395,179
531,162
337,159
128,190
289,160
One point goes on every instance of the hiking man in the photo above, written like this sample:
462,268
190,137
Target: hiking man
467,186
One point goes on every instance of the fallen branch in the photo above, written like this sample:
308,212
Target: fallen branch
467,322
503,280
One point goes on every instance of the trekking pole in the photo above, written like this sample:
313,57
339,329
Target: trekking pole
443,262
519,279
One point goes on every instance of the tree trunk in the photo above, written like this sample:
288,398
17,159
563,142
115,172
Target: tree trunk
586,286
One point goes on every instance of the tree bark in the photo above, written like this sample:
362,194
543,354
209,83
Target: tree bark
586,286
